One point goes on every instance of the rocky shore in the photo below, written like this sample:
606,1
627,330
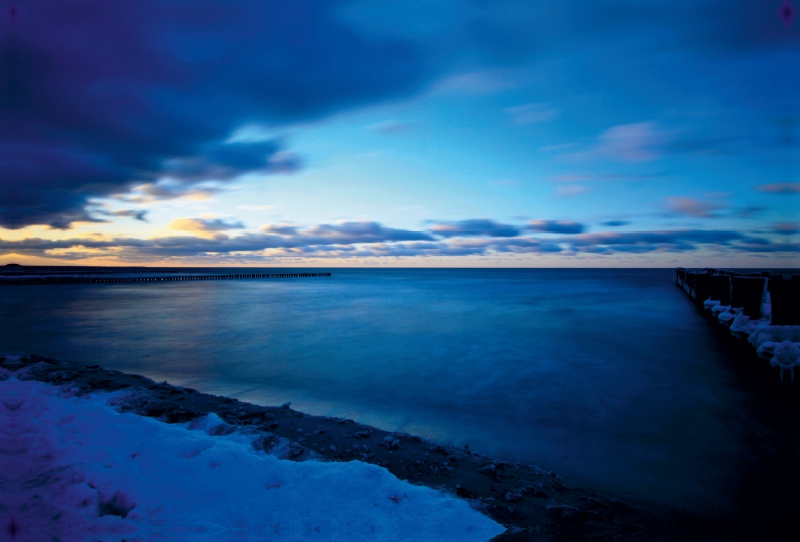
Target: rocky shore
534,505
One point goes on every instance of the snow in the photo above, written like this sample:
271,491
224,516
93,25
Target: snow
74,469
718,309
776,334
743,325
728,316
787,355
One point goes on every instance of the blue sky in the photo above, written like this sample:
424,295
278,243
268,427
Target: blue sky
415,133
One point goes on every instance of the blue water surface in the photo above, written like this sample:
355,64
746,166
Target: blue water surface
609,377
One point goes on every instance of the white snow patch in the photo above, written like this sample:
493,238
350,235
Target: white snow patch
74,469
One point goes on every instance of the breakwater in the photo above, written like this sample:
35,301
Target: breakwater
18,275
760,309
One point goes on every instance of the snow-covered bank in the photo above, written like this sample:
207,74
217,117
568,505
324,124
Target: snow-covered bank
533,504
73,468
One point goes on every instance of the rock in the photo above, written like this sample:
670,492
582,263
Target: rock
565,512
513,496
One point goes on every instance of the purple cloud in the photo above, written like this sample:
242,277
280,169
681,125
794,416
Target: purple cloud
786,228
780,188
532,113
630,143
680,205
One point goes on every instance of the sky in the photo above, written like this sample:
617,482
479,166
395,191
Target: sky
416,133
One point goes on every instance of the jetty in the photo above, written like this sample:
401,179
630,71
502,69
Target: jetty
762,310
22,275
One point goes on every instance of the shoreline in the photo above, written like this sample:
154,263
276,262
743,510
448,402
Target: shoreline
531,503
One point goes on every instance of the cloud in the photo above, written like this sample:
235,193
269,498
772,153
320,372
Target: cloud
371,239
614,223
628,143
584,177
555,226
780,188
478,83
650,241
749,211
786,228
477,227
680,205
206,225
129,213
532,113
167,189
570,190
98,98
284,228
360,232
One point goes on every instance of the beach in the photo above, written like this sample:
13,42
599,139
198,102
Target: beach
529,503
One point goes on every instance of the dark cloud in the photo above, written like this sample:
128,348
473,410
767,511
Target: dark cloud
780,188
226,161
96,97
280,229
786,228
614,223
555,226
474,228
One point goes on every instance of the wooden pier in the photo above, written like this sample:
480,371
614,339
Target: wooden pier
760,309
18,275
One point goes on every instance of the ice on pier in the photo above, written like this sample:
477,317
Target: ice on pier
764,334
728,316
709,303
786,357
74,469
718,309
743,326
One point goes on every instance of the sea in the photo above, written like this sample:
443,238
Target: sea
610,377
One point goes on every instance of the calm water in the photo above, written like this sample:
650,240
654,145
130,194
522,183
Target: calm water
610,377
